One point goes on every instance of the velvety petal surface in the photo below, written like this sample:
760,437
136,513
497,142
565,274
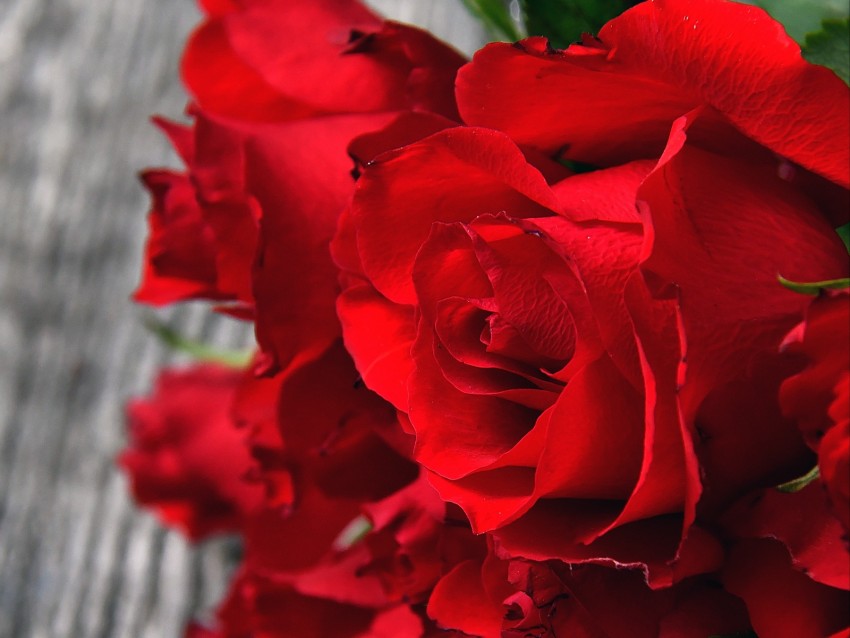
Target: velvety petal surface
651,65
275,60
781,600
721,265
394,204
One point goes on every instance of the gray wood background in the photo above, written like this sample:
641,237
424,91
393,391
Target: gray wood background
78,80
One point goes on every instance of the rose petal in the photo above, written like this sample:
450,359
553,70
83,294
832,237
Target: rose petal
180,260
702,250
449,436
379,335
299,175
461,600
653,64
393,207
803,522
782,601
275,61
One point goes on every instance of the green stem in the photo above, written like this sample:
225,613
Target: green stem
799,483
196,349
495,16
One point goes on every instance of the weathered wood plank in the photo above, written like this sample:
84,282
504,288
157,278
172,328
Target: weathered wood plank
78,79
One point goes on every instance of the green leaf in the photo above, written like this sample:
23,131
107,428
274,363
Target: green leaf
814,287
844,233
830,47
799,483
563,21
197,350
352,533
496,17
800,17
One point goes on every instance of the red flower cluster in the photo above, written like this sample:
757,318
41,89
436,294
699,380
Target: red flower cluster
525,367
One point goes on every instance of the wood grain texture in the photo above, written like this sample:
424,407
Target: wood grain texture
78,80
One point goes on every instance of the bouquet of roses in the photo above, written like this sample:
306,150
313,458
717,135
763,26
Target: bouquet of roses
554,342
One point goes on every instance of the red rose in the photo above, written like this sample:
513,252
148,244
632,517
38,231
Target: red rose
273,60
819,396
590,364
186,459
280,88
